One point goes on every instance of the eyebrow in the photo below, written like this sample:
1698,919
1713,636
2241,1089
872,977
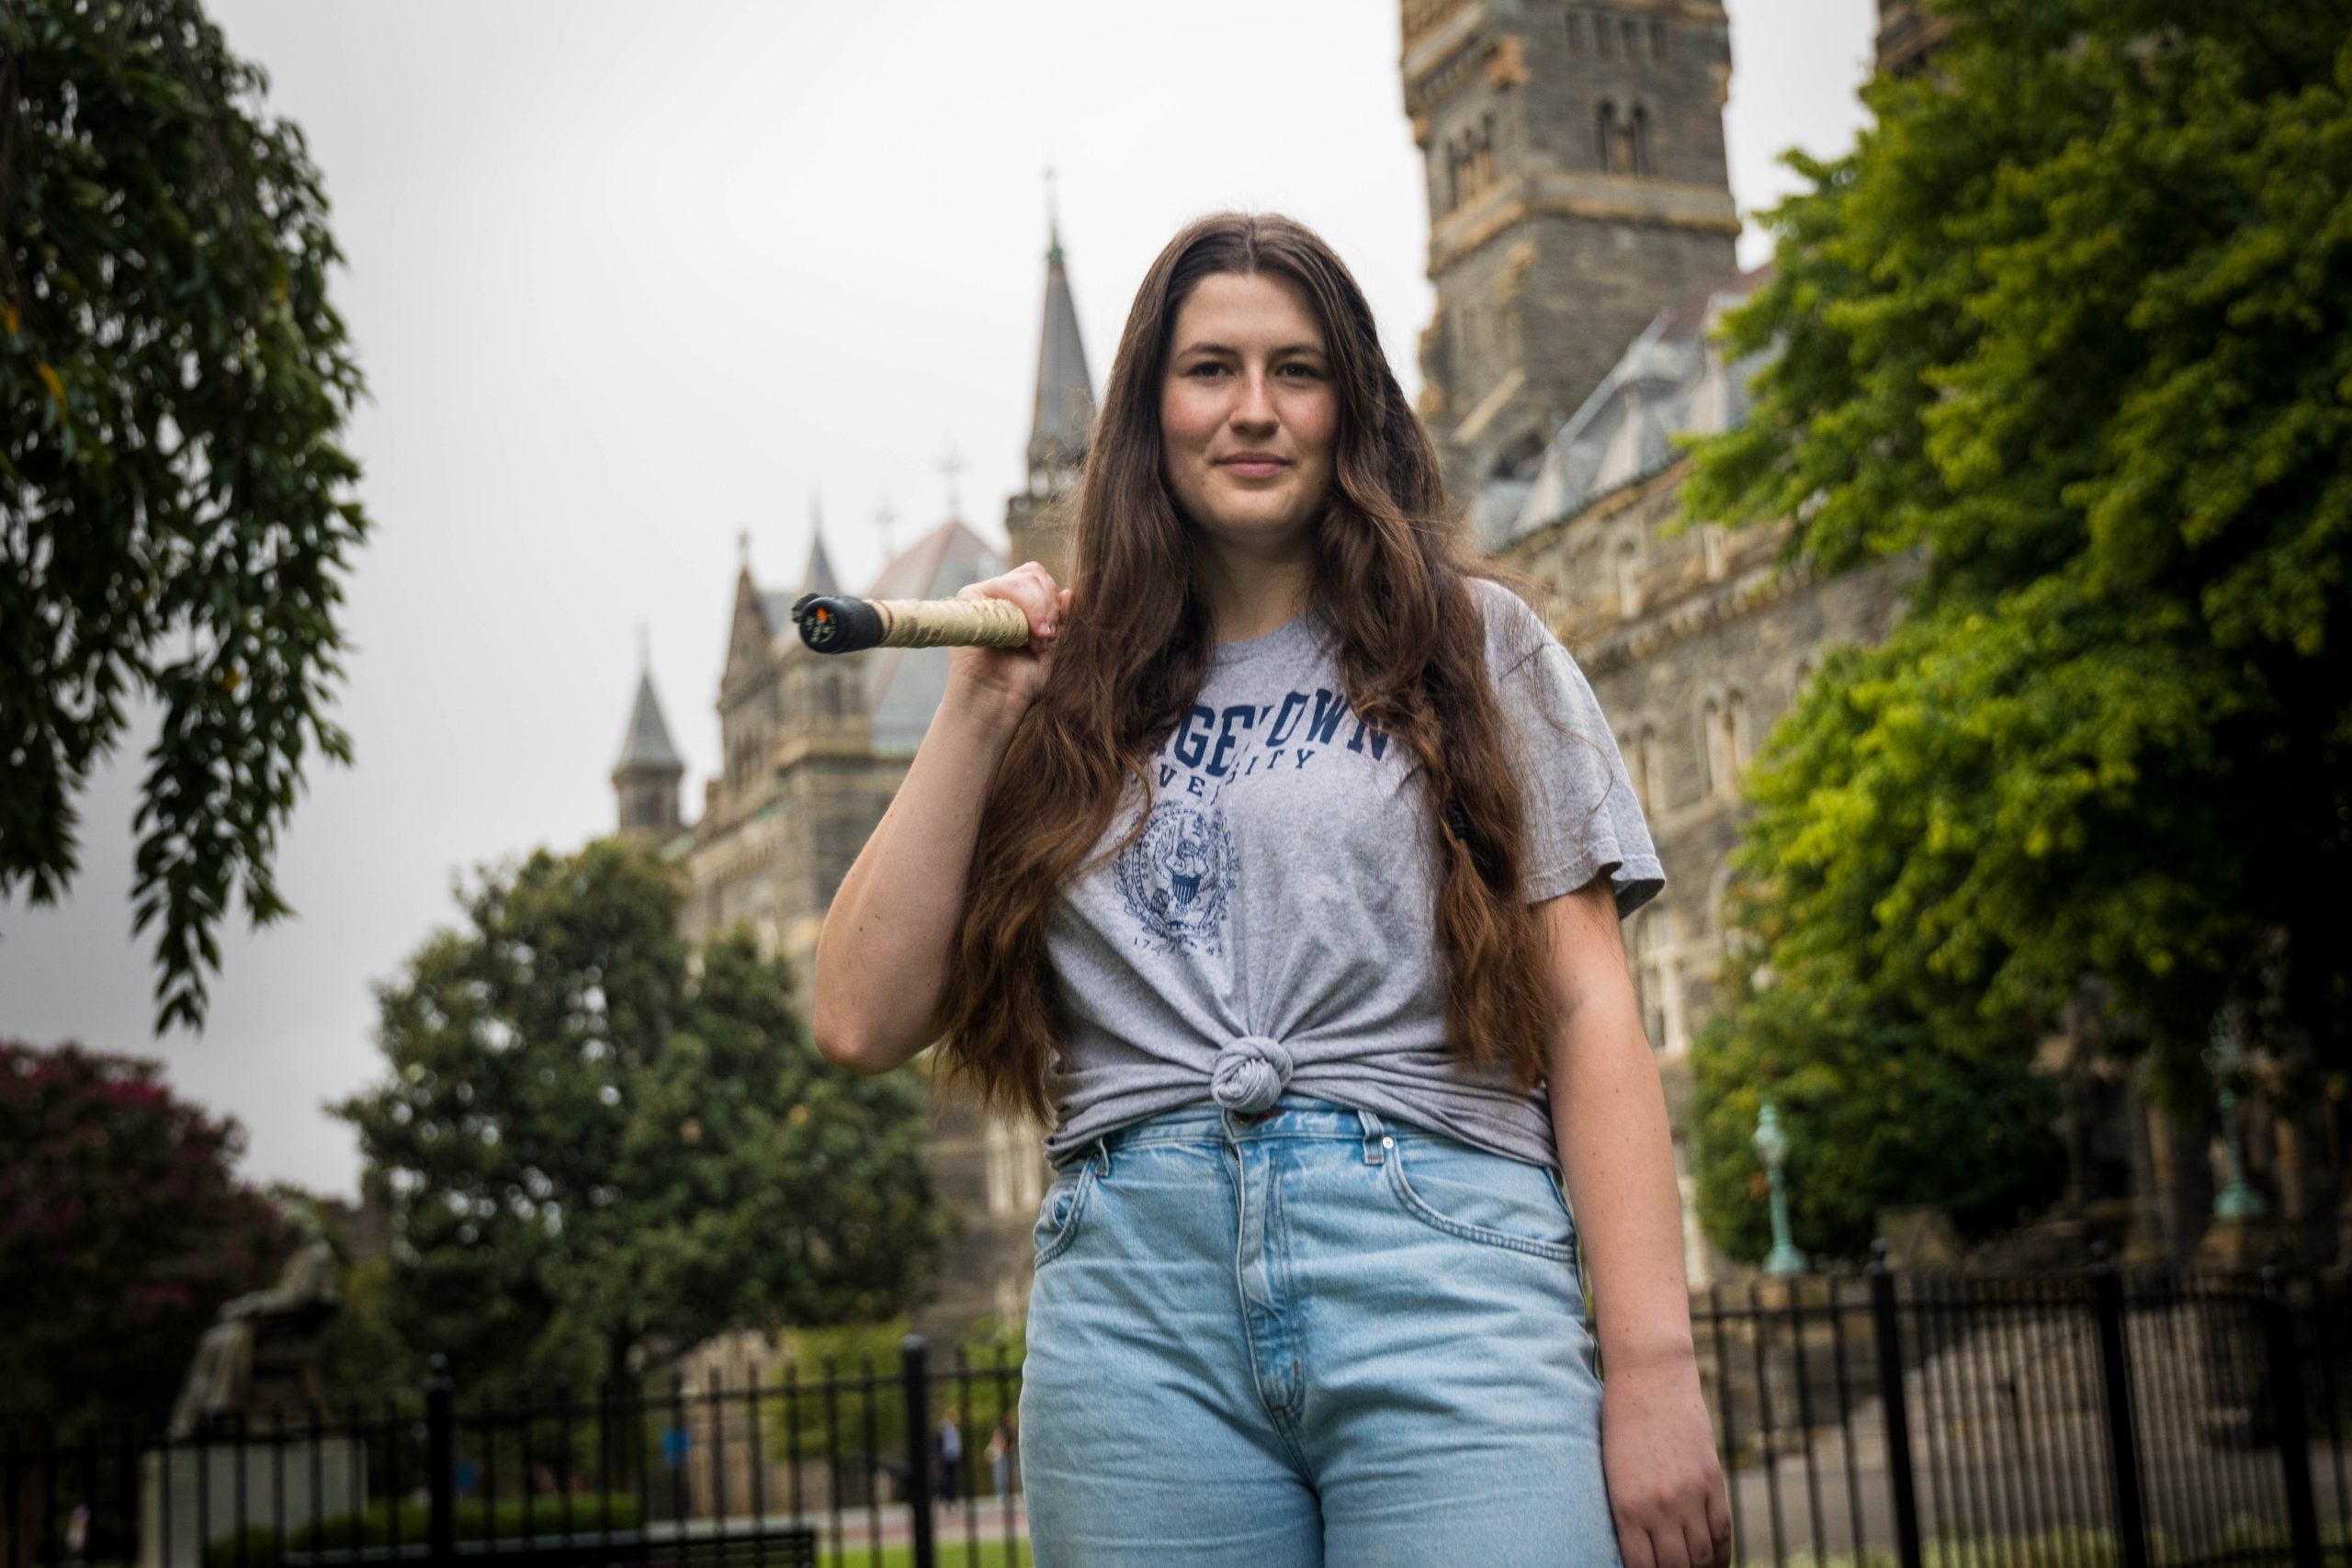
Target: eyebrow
1222,348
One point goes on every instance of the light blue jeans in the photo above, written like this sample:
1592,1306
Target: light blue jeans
1304,1336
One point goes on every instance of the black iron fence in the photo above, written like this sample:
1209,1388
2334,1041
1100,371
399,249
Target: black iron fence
837,1464
2093,1418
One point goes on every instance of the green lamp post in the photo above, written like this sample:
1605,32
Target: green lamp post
2237,1198
1774,1146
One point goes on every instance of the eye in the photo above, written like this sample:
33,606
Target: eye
1307,372
1206,368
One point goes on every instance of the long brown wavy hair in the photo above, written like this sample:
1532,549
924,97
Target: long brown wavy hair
1390,569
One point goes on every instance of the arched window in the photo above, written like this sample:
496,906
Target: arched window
1640,751
1605,136
1656,949
1625,566
1637,956
1637,139
1711,750
999,1155
1485,153
1631,31
1724,726
1604,38
1013,1180
1715,549
1658,43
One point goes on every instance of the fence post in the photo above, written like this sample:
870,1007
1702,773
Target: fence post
916,1382
1886,1329
11,1524
440,1465
2123,1432
2287,1414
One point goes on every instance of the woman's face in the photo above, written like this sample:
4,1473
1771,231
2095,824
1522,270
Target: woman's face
1248,412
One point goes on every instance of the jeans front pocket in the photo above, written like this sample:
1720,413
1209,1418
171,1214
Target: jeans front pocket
1064,1206
1481,1196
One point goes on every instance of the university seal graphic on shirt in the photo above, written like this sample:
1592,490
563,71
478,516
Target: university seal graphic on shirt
1177,877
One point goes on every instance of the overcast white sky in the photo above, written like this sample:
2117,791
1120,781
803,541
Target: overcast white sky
627,280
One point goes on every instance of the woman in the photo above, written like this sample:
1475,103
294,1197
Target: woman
1281,877
1001,1455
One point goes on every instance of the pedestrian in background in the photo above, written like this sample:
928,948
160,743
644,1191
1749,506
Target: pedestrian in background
951,1454
1001,1455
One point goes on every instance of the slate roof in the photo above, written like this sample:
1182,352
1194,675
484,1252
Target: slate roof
903,685
1670,382
646,744
1062,419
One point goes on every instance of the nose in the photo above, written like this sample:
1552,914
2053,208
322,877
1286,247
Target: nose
1254,409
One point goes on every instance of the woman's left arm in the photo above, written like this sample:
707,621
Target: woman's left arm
1658,1449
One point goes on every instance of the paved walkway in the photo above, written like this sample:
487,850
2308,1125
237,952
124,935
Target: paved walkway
892,1524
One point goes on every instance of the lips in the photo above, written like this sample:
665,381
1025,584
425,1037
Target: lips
1253,465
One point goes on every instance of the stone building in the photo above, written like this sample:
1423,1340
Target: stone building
1581,228
814,747
1695,641
1576,181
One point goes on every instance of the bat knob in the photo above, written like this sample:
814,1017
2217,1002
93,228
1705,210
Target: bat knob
831,624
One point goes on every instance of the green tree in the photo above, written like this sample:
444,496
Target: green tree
1881,1107
597,1144
174,506
365,1360
2073,322
123,1229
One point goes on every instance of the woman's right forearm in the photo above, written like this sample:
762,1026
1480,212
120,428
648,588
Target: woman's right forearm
882,954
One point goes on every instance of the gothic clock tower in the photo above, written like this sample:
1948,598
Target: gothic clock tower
1577,186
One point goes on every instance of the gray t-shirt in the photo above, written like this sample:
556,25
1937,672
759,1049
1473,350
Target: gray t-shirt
1275,925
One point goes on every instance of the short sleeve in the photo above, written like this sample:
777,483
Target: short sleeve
1583,819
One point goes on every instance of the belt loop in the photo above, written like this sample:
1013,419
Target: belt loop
1101,1158
1374,1137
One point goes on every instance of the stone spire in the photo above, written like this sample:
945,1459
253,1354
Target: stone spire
818,576
1063,419
646,778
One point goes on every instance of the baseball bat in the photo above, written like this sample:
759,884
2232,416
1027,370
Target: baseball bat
839,624
831,624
